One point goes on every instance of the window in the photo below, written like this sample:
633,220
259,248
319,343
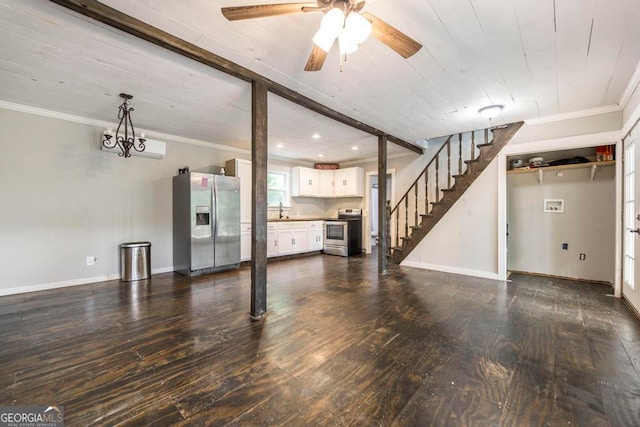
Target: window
277,188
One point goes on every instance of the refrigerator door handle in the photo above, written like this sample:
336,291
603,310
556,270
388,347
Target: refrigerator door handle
214,211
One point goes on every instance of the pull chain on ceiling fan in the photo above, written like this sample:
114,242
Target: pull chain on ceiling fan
342,21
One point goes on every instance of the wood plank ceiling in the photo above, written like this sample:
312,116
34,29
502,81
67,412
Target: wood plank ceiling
536,57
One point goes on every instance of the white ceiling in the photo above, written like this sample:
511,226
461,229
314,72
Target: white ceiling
537,58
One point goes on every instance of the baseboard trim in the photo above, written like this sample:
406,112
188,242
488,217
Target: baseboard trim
68,283
553,276
56,285
449,269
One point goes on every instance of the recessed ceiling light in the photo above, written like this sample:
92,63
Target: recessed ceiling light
490,111
354,148
280,145
320,155
315,136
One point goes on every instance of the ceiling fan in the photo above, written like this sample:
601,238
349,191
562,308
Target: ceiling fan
342,21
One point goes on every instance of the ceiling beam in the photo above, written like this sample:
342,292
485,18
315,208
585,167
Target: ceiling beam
133,26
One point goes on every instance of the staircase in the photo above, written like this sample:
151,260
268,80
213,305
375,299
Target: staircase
441,184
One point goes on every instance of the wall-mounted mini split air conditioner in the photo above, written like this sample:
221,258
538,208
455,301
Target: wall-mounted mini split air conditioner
153,149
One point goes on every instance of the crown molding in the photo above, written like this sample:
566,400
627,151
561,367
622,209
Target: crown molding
103,124
631,87
574,114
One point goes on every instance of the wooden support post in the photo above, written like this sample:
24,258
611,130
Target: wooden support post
259,198
382,205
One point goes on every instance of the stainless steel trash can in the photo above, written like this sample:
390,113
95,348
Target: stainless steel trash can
135,261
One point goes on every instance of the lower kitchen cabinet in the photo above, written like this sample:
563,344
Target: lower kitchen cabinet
292,238
315,231
245,241
272,240
285,238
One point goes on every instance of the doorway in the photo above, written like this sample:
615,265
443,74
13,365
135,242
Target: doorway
371,224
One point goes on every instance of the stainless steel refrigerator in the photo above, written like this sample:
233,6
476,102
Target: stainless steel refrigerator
206,223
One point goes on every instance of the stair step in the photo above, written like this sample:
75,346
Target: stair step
416,227
405,238
472,161
397,249
488,144
449,189
459,176
425,216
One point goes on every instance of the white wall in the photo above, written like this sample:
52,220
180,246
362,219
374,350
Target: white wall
63,199
587,224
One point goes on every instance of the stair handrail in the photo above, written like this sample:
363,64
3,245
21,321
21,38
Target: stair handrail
435,157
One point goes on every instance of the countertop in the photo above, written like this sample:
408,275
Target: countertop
285,219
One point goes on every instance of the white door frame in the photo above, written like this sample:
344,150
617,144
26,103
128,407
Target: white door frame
581,141
630,291
390,191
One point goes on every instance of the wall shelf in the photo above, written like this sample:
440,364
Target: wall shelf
540,171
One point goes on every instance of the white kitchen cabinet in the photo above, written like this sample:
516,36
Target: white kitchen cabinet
348,182
292,238
315,231
272,239
326,183
245,241
305,182
242,169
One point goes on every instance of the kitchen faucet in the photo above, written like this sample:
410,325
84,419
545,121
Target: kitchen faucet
281,215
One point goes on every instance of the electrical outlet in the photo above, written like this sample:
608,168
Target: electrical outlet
91,260
582,257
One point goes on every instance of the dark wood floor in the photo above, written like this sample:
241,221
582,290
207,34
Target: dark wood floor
339,346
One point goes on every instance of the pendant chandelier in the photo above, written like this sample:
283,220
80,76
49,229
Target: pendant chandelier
126,140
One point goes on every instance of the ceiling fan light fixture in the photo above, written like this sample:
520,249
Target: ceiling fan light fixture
324,39
358,26
490,111
347,43
333,21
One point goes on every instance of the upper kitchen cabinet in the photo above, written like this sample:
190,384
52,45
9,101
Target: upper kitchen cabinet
305,182
348,182
242,169
326,183
308,182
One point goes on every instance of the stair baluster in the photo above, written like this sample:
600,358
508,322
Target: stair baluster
437,177
397,227
459,154
448,163
416,208
406,216
426,192
473,145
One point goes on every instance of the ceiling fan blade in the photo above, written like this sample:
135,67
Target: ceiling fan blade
316,59
263,10
392,37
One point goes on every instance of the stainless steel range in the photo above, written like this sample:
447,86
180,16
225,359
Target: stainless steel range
343,236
